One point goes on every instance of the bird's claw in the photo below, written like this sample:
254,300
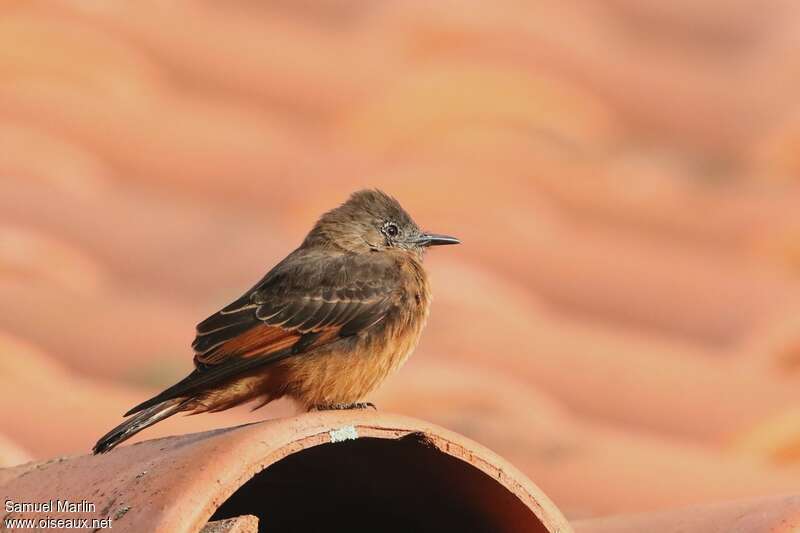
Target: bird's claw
345,406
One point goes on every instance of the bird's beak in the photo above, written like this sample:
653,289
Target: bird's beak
434,239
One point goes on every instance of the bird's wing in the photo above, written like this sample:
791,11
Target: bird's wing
302,304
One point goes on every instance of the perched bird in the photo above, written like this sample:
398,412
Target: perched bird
325,326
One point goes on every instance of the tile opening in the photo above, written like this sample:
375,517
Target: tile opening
373,484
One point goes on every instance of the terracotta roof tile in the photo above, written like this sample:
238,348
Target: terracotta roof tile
777,514
180,483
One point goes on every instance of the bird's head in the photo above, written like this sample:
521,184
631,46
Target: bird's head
371,220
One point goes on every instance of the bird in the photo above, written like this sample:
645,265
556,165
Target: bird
324,327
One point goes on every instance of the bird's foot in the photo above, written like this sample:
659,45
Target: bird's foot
344,406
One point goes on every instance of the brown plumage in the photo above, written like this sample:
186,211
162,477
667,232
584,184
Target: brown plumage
325,326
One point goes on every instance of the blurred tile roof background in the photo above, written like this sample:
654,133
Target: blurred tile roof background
625,177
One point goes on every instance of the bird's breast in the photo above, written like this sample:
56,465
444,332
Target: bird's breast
405,328
346,371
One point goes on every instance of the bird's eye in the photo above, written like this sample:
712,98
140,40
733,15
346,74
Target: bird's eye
391,229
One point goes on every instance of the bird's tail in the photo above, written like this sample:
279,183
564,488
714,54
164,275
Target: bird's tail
141,420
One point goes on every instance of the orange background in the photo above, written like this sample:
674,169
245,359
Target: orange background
621,321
